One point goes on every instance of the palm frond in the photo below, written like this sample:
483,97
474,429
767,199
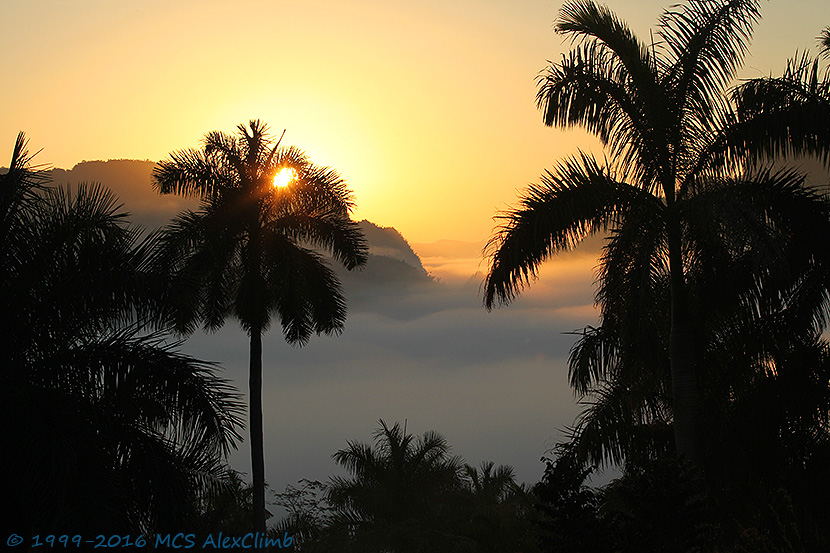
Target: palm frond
20,185
489,484
192,173
193,250
633,282
226,150
589,88
92,257
708,40
358,458
824,42
322,188
301,288
787,115
586,20
619,424
579,199
162,419
161,389
314,188
592,359
330,232
773,221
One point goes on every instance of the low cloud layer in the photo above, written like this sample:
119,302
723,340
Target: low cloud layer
418,346
495,384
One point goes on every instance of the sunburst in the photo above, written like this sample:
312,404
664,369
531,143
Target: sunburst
284,177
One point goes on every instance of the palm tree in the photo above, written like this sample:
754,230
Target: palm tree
824,42
497,509
247,252
754,297
109,428
489,485
394,499
669,196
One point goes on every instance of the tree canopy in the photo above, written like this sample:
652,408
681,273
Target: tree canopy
111,429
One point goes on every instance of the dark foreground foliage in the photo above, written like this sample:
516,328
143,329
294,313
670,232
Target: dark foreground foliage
713,285
108,429
665,505
409,494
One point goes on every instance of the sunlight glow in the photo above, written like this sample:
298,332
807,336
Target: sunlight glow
284,177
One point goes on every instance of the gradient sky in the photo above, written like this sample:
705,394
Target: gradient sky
427,108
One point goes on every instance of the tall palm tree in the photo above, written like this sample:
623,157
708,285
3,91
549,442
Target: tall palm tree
248,251
108,428
661,109
750,306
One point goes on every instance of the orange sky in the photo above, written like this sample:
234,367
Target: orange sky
425,107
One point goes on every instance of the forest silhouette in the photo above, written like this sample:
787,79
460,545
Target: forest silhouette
706,381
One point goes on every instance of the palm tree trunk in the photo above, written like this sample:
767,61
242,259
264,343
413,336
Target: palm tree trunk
255,411
681,357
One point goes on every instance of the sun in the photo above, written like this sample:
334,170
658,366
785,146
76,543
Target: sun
284,177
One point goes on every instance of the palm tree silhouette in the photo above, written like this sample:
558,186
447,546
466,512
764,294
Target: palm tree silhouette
110,429
488,482
393,499
247,252
497,508
668,193
755,295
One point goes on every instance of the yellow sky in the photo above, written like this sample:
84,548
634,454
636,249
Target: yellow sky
425,107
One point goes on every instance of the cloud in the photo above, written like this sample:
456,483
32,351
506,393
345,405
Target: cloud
414,348
495,384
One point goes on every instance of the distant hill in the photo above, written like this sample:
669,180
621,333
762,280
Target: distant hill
387,241
130,180
391,264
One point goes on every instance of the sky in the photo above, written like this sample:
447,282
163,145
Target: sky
427,109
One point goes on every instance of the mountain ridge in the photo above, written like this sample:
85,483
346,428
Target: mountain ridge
392,261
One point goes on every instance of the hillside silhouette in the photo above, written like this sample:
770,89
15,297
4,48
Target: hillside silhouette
129,179
392,262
